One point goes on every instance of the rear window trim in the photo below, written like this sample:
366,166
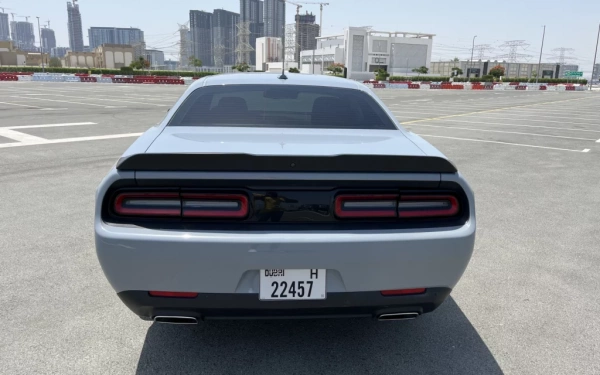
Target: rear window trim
387,122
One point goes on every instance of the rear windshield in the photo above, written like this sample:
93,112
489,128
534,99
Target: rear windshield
279,106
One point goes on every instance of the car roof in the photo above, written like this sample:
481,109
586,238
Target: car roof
273,78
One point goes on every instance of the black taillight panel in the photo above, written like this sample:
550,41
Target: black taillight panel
250,207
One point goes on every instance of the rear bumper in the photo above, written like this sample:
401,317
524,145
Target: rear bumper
224,263
248,306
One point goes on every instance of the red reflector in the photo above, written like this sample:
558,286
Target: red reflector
366,206
414,206
221,206
173,294
403,292
148,204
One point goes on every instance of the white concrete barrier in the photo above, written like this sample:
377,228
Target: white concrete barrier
499,87
398,85
104,80
425,87
25,78
561,88
71,79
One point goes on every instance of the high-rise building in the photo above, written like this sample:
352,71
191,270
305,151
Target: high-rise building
23,36
4,27
156,58
75,27
596,73
59,52
114,35
224,33
202,41
48,39
268,50
306,33
252,11
274,18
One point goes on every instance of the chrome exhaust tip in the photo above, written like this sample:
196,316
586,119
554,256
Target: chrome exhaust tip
399,316
175,319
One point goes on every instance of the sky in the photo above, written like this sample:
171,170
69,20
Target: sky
570,24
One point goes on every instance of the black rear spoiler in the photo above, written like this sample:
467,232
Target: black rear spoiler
268,163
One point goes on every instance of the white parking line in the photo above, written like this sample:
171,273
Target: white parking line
506,132
48,125
118,100
32,106
20,137
65,101
524,126
42,141
534,120
503,143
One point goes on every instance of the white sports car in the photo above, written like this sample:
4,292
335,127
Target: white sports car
268,196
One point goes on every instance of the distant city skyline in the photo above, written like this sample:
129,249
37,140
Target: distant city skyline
453,36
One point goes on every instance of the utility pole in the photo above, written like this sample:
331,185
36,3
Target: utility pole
595,55
540,62
41,46
471,64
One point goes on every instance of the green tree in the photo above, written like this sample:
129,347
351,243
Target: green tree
456,72
421,70
241,67
140,63
55,63
196,63
381,74
497,71
294,70
336,69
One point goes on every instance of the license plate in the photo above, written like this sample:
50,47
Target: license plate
285,285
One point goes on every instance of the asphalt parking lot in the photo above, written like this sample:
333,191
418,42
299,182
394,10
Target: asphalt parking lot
527,304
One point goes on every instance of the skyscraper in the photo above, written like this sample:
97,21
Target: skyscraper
224,33
75,27
48,39
114,35
252,11
4,27
23,36
274,18
201,30
306,33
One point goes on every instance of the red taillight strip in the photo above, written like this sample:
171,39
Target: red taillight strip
192,205
366,211
154,293
171,205
415,206
403,292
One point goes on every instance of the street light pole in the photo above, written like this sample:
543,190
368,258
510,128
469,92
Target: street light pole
595,55
471,64
540,62
41,45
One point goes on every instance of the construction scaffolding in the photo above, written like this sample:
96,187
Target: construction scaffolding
244,49
291,45
185,45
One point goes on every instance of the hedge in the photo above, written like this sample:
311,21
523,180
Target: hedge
523,80
36,69
420,78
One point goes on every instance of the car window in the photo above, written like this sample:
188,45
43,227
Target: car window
278,106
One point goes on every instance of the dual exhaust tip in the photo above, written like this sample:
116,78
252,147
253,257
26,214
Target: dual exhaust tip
398,316
191,320
175,319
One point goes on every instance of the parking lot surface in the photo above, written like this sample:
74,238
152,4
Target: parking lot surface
527,304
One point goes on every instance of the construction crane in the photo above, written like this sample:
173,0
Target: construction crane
321,15
3,9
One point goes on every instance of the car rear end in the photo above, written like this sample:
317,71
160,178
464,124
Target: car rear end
262,222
